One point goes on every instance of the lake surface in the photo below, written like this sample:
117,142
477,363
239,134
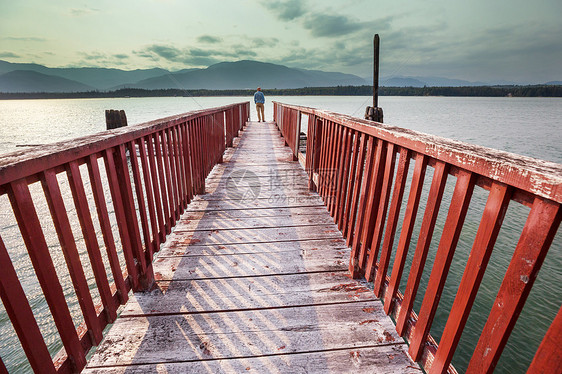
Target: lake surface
528,126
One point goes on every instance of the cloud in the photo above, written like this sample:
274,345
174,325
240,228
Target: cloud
287,10
209,39
85,11
326,25
25,38
8,55
193,56
101,59
264,42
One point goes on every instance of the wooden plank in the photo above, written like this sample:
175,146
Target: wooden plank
175,247
240,265
354,360
266,203
245,333
234,214
246,293
263,235
221,223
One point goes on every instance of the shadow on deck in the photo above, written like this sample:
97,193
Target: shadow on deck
254,279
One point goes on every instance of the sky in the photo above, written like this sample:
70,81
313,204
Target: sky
477,40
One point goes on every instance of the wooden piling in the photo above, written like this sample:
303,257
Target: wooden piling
115,119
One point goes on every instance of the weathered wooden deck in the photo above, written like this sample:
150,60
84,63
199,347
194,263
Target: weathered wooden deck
254,279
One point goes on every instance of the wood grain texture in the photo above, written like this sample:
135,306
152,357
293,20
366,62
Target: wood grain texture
252,284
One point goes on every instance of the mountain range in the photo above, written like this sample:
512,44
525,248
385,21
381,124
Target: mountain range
21,77
16,77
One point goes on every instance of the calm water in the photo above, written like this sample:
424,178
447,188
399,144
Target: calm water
531,127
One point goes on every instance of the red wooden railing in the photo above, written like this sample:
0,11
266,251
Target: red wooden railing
152,172
360,169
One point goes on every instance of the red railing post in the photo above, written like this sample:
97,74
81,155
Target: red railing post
538,233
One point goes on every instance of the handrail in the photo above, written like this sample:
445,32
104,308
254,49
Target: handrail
152,170
360,169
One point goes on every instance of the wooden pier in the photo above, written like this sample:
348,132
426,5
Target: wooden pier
254,279
220,253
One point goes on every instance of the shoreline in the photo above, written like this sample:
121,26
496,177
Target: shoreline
461,91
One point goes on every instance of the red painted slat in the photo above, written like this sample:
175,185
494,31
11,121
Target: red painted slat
336,170
129,207
406,231
27,163
344,178
155,244
162,186
171,172
121,218
168,177
352,181
424,240
539,177
548,358
322,161
141,204
393,214
381,215
536,237
373,201
70,252
484,242
354,264
187,161
179,168
20,313
449,238
356,188
30,227
90,238
105,224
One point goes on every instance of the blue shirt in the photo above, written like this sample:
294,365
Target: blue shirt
259,97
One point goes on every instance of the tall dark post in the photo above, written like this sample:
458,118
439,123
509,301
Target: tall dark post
376,44
374,113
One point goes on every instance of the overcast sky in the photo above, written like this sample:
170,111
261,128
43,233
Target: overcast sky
476,40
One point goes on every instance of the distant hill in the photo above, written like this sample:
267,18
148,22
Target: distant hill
225,75
32,81
248,74
402,82
96,78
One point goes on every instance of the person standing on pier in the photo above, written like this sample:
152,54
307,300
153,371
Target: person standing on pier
259,100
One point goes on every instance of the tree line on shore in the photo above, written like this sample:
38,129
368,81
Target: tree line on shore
475,91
